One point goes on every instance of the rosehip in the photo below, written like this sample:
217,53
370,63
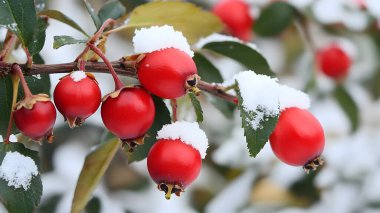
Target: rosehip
298,139
235,15
128,113
173,165
334,62
35,117
168,73
77,96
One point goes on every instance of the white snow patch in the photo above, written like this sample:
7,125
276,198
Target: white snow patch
188,132
18,170
216,37
12,138
155,38
78,75
290,97
260,94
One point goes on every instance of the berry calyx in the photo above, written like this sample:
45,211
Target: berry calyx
77,96
298,139
168,73
35,117
334,62
235,15
173,165
128,113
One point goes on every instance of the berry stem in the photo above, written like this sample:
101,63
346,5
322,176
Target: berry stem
9,41
15,83
29,61
82,64
118,83
17,70
174,105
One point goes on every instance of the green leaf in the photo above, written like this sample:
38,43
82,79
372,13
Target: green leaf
94,16
94,205
94,167
197,107
274,19
60,41
191,20
113,9
130,5
59,16
39,36
348,105
20,200
243,54
162,117
226,108
19,17
256,138
40,5
206,70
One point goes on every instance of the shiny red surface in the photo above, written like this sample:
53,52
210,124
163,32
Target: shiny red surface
130,115
164,72
298,137
334,62
173,162
36,122
77,99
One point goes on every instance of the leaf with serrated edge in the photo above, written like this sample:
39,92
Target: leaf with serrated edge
63,40
162,117
197,107
185,17
256,139
113,9
243,54
93,170
19,200
59,16
348,105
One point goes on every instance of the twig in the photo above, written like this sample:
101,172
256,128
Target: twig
173,103
9,41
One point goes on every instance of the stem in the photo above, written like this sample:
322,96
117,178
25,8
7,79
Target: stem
29,62
118,83
173,103
16,68
10,39
126,26
82,64
15,83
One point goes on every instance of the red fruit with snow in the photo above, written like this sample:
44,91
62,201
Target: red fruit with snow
175,160
235,15
298,139
35,118
334,62
128,113
168,73
77,96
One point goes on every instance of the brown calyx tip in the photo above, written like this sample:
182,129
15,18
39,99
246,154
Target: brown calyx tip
75,122
49,137
191,84
313,164
29,102
132,143
170,189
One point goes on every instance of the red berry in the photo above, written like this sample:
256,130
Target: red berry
130,114
173,165
334,62
77,100
235,15
37,122
167,73
298,138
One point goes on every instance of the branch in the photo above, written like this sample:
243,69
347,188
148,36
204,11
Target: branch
121,67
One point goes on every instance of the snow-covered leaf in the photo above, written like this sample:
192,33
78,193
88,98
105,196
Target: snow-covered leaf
19,199
59,16
348,105
63,40
197,107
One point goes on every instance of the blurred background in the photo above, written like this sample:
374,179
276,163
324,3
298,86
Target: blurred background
230,180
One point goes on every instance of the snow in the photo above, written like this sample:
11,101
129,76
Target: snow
260,94
78,75
155,38
18,170
216,37
12,138
374,7
187,132
290,97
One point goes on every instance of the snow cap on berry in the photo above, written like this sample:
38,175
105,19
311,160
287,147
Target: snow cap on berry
290,97
155,38
78,75
188,132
